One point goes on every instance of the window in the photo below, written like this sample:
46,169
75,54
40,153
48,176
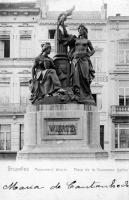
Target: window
21,136
4,46
51,33
4,92
5,137
25,46
123,52
124,93
97,61
102,136
24,93
121,135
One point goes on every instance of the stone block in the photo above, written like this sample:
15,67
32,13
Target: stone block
62,130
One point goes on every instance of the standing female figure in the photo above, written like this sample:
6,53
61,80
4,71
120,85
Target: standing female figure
82,71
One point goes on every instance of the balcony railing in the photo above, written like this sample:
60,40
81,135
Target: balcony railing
13,108
16,61
119,110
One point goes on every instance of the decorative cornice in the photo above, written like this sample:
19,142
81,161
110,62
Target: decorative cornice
4,32
25,12
5,80
26,25
73,22
25,32
24,72
16,66
119,71
15,5
24,80
17,59
5,25
5,72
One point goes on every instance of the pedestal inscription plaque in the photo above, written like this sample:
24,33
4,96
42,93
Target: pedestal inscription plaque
61,128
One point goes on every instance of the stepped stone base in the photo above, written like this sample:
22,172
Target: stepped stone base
62,131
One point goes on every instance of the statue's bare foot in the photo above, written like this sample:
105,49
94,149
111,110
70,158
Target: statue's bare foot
62,91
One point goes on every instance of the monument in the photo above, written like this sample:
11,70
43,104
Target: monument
63,121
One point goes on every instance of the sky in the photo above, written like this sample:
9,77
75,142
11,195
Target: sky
114,6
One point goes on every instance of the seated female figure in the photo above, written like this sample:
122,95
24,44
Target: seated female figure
45,81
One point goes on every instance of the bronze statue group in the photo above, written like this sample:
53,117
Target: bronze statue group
46,84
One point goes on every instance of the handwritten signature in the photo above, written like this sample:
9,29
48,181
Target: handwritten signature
69,185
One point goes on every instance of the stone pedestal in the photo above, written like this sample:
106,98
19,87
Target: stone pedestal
61,131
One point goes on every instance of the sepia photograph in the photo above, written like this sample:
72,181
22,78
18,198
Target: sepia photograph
64,99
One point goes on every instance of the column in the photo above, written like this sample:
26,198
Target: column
30,128
15,89
15,136
99,101
15,43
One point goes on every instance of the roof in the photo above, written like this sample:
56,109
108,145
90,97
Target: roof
77,17
82,15
118,18
24,8
23,5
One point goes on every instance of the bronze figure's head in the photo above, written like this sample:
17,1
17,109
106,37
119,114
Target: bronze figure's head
46,47
83,31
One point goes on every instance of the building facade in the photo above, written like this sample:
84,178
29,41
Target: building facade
23,27
119,85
